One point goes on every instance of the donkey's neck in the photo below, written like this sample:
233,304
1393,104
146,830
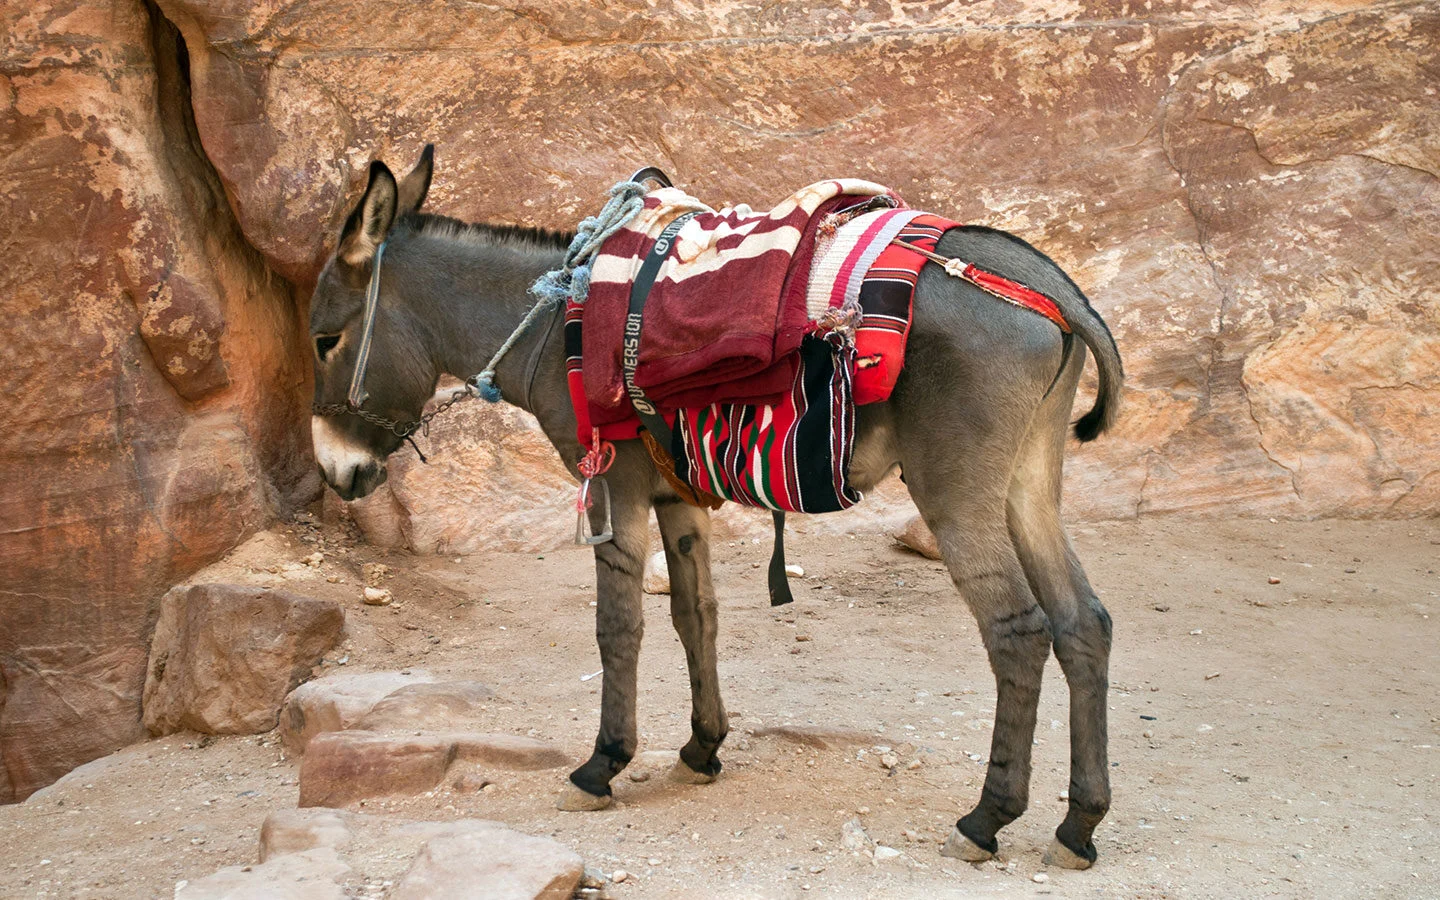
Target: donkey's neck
471,292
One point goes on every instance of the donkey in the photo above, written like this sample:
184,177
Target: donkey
976,425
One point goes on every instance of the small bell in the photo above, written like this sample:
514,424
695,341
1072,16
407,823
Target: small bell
594,499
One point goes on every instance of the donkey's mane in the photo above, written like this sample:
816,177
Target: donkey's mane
520,236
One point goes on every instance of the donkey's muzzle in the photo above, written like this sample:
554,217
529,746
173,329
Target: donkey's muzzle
357,481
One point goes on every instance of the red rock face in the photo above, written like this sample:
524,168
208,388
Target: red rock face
1248,197
152,378
1246,193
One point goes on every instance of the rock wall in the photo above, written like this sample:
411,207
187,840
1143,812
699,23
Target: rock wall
1246,191
152,378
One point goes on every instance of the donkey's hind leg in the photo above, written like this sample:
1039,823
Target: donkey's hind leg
1080,626
962,498
619,626
685,530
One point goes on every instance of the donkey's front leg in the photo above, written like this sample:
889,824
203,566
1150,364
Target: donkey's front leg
619,626
686,532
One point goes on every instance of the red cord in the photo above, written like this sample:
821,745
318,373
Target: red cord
596,462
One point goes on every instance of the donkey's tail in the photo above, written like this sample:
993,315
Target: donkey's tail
1086,323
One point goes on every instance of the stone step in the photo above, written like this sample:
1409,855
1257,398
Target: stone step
342,767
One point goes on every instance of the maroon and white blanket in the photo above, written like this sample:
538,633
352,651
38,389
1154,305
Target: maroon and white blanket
728,309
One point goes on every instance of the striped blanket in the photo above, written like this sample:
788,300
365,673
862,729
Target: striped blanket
762,408
728,309
794,455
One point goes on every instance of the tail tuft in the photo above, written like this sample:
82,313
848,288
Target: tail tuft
1091,425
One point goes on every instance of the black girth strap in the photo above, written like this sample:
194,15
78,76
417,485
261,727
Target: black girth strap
650,416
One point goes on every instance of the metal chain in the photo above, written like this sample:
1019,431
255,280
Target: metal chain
398,428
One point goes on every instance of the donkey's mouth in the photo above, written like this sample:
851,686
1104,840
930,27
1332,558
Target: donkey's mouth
364,479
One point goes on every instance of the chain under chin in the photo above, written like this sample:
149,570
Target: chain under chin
401,429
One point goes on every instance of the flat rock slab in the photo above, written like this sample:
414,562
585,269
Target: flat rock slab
508,751
820,737
338,702
342,767
307,875
440,706
499,864
297,830
463,858
225,656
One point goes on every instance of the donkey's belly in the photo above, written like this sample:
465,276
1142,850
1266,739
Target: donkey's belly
876,454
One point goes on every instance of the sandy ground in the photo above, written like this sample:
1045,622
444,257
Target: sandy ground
1266,739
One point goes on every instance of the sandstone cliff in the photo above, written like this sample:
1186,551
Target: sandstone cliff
1246,191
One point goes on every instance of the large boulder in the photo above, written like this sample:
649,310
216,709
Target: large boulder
493,482
225,656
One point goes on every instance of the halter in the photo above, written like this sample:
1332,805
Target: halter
357,394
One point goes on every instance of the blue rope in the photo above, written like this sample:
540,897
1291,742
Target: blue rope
572,279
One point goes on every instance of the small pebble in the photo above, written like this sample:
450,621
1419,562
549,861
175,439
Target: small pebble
1040,878
794,571
882,853
889,760
1273,580
620,876
378,596
802,638
853,836
1212,675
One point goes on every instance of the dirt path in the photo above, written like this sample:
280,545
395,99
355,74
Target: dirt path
1267,739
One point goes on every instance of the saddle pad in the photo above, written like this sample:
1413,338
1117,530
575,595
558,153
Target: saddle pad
793,455
719,322
886,297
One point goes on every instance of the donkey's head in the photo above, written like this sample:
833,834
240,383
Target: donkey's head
400,374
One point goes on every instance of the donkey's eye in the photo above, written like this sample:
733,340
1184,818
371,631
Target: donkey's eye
324,343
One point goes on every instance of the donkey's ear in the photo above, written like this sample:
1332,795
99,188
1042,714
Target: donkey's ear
417,184
370,221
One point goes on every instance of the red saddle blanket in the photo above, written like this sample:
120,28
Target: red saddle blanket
852,264
727,312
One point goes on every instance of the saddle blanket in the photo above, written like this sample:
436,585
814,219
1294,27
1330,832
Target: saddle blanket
727,311
794,452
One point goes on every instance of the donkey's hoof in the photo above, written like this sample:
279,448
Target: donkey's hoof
686,775
1065,858
575,800
958,846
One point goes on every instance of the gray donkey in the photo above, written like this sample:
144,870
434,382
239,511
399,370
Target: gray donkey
976,424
